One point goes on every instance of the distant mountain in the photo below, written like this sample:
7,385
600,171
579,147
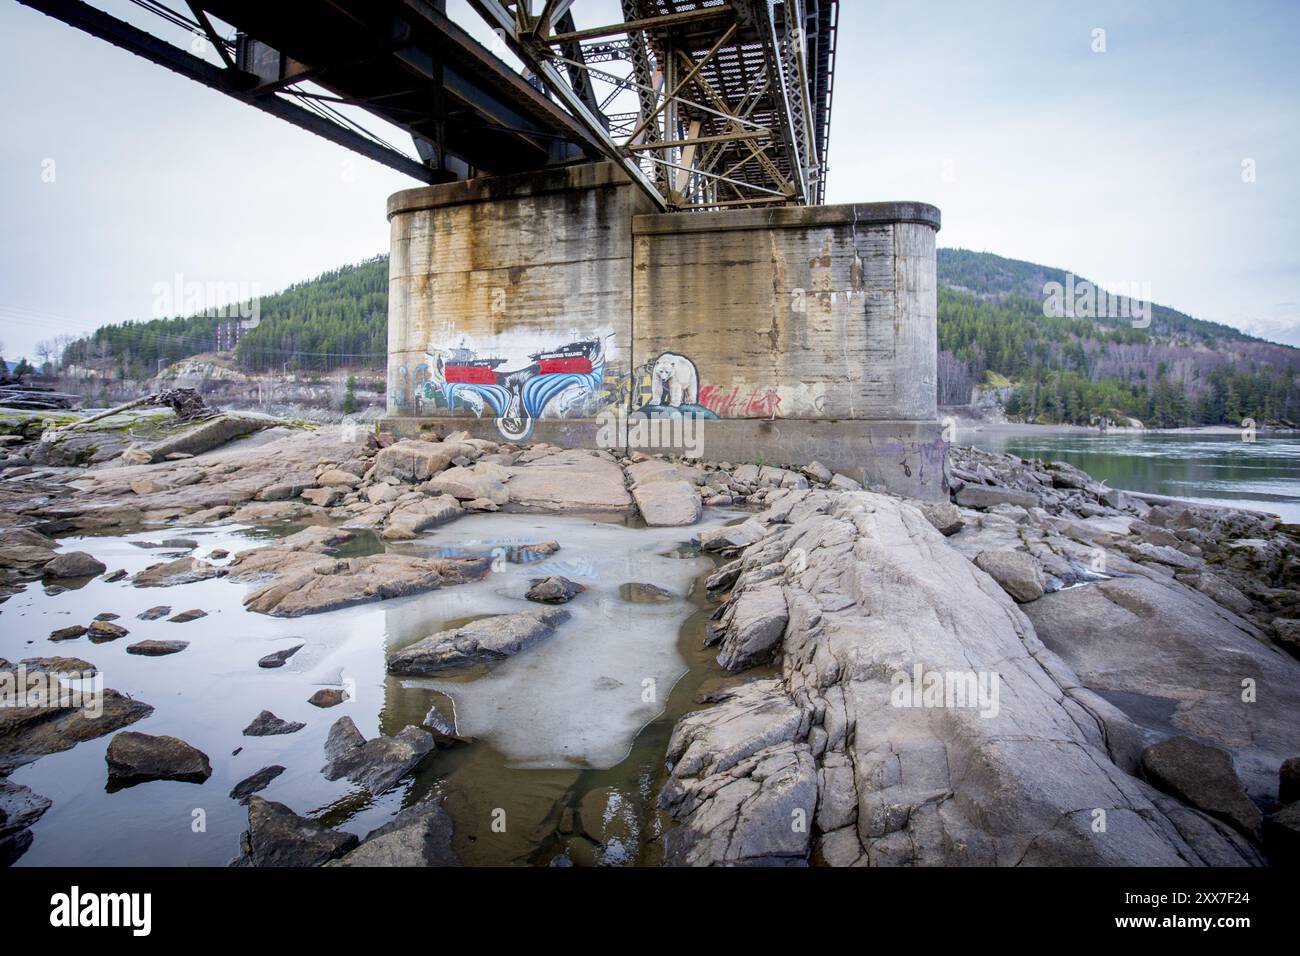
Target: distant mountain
1165,369
992,329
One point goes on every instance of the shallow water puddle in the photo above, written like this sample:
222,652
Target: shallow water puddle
576,701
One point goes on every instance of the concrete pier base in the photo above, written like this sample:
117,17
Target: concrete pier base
906,458
540,307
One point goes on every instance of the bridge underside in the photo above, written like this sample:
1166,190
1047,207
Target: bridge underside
706,104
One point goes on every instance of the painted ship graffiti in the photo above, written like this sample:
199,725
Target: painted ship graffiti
556,381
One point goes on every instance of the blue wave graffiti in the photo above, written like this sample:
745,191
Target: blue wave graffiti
537,393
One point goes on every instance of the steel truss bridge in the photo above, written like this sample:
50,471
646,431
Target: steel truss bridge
707,104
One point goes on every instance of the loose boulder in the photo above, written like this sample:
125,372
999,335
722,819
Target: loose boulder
136,758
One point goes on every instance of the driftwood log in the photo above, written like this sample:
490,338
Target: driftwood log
187,403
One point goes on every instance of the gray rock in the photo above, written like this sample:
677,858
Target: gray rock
255,783
1175,661
817,472
266,724
740,780
1005,768
68,633
986,496
30,732
19,809
1017,572
74,564
136,758
186,616
276,836
752,627
1164,555
328,697
553,590
279,658
181,571
154,613
418,836
306,582
1288,781
638,592
415,461
944,515
566,482
1202,776
376,764
488,641
157,648
732,537
668,504
101,632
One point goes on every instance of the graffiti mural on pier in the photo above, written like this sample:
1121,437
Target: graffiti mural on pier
561,382
668,386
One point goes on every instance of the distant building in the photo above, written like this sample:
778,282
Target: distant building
228,334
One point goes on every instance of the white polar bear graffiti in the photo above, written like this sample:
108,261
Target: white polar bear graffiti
674,380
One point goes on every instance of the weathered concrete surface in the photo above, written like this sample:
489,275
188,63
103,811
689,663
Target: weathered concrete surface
525,306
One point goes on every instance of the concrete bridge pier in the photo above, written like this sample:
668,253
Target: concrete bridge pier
559,307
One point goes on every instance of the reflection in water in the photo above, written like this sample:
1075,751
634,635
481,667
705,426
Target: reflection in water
1222,469
609,758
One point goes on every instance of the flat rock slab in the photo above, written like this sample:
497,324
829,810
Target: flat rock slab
986,496
181,571
154,613
570,482
488,640
307,583
1140,640
881,605
136,758
208,435
376,764
668,504
276,836
1204,777
156,648
30,732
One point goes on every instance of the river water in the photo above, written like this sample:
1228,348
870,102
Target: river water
580,721
1262,475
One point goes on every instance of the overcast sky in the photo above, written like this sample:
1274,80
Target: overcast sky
1122,166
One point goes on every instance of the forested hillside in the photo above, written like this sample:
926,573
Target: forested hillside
337,319
1178,371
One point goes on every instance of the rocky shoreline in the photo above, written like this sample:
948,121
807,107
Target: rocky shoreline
1040,671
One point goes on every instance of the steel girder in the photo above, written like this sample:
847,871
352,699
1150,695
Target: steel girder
723,102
